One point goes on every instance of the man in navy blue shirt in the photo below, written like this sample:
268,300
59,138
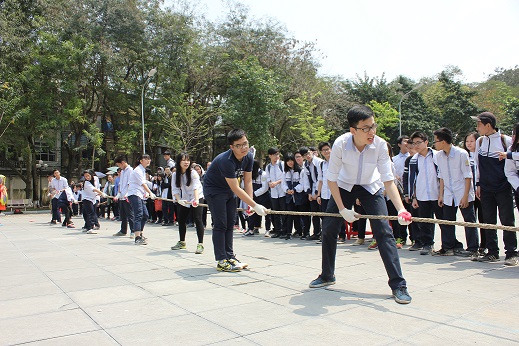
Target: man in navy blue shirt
221,187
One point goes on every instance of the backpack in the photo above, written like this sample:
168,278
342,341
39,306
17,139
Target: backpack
279,165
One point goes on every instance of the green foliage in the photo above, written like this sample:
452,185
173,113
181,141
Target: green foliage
308,127
386,117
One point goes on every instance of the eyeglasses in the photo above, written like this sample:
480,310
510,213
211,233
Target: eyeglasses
242,145
415,143
368,128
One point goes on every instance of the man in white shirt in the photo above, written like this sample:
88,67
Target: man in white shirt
311,164
169,161
57,185
399,160
125,211
275,176
456,189
360,168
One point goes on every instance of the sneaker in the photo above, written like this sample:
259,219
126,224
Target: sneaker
199,249
313,237
462,253
158,222
256,230
427,250
180,245
165,224
401,295
248,233
416,247
113,219
358,242
303,237
235,262
132,235
63,225
511,261
373,245
226,266
399,243
119,234
84,230
276,235
140,241
267,234
482,251
53,222
71,225
489,258
474,255
91,231
320,282
341,241
443,252
97,227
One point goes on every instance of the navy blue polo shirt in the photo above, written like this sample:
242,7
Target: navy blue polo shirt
225,165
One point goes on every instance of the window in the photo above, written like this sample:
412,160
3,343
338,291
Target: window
43,152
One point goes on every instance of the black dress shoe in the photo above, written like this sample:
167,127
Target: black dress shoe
314,237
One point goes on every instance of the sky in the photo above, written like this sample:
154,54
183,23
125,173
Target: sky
415,38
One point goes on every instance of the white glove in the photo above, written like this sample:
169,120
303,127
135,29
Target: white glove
260,210
404,217
184,203
104,195
152,195
349,215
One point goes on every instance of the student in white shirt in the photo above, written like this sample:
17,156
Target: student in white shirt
125,210
57,185
275,176
291,184
456,190
90,193
359,168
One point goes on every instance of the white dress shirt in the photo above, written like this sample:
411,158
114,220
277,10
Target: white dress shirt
454,169
427,184
124,179
137,179
185,192
399,162
368,168
275,173
59,185
323,176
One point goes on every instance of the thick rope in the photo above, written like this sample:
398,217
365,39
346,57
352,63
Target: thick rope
381,217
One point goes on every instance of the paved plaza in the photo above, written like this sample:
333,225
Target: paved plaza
64,287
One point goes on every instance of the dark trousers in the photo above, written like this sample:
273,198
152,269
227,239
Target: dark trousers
449,240
316,220
292,221
374,205
75,209
126,215
360,225
305,220
425,232
502,200
140,212
278,204
67,210
56,215
183,213
223,211
479,216
89,214
168,212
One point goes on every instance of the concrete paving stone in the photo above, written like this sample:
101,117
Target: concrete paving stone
211,299
235,279
27,278
132,312
90,282
180,330
150,275
74,273
98,338
241,340
99,296
253,317
264,290
43,326
317,332
131,267
175,286
26,290
475,287
35,305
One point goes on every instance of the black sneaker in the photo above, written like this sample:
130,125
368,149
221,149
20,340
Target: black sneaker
275,235
427,250
119,234
140,241
401,295
489,258
53,222
416,247
313,237
320,282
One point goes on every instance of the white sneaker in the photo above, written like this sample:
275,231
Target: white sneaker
267,234
91,231
358,242
238,264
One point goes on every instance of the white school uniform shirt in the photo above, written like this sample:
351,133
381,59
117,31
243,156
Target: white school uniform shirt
137,179
512,169
124,180
304,183
454,169
185,192
323,176
58,185
314,173
369,168
261,179
275,173
399,162
88,192
427,184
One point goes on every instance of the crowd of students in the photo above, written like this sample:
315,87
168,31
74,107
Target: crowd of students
431,182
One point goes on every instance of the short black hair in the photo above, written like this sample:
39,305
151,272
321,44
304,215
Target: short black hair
419,134
358,113
167,152
324,144
303,150
401,138
234,135
120,159
444,134
272,151
143,156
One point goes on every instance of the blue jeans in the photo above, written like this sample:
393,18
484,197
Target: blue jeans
140,212
223,212
374,205
56,215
